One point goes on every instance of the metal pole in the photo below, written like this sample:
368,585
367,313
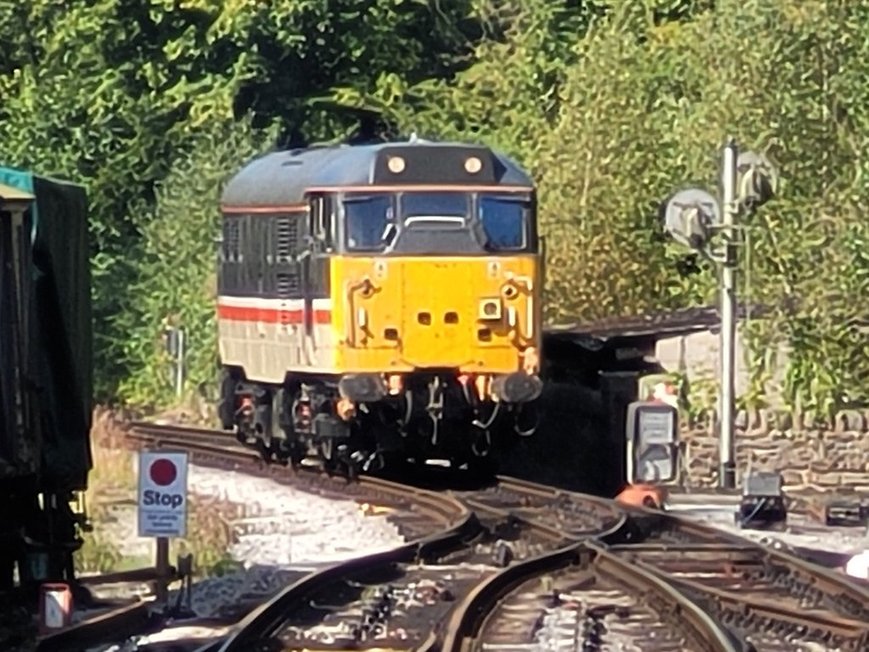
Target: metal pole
727,472
162,588
179,364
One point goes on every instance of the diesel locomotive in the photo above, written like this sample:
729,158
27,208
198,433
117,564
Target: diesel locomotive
380,303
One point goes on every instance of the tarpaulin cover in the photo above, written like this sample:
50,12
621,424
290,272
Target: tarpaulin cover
58,365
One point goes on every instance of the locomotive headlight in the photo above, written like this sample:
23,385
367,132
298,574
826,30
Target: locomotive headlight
395,164
490,309
473,165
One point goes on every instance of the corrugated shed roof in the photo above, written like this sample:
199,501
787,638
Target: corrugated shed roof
674,322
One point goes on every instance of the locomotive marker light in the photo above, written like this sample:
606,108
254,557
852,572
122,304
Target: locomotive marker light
748,180
473,165
395,164
162,504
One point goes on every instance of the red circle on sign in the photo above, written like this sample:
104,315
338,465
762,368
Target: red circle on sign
163,472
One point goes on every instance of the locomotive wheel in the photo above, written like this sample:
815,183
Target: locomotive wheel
282,443
484,467
226,403
264,449
327,455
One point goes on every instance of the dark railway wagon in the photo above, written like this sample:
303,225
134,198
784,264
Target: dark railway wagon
45,374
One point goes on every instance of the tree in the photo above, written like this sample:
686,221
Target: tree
113,93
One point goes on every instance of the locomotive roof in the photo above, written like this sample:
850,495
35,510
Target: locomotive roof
282,178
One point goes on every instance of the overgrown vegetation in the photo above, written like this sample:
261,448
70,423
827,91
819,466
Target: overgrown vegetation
612,105
112,485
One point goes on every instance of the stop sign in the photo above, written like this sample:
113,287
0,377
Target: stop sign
162,495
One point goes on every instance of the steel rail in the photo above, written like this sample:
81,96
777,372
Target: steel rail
544,526
845,597
99,629
266,619
841,590
461,631
843,633
461,525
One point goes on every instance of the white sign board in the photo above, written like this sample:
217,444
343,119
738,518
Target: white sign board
162,494
655,428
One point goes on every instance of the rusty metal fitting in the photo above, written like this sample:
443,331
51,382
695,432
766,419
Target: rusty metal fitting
531,361
394,384
345,408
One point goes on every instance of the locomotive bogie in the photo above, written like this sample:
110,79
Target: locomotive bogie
437,414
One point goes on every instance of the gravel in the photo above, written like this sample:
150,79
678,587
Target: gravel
283,526
799,531
280,535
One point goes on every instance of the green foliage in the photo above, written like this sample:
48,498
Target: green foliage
612,105
640,106
97,555
176,284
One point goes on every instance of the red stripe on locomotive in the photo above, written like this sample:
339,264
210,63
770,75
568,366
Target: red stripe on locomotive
271,315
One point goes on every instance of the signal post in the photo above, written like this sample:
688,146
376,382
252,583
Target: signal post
694,218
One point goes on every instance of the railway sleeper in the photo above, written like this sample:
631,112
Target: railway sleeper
749,613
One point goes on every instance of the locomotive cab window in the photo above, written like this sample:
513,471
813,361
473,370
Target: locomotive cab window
369,222
435,209
504,222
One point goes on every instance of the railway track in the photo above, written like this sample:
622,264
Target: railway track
397,598
774,600
514,565
580,598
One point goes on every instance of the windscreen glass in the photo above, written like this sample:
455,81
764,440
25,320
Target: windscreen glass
368,219
435,208
503,221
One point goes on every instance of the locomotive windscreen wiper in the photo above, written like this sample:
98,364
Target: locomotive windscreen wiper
389,233
435,219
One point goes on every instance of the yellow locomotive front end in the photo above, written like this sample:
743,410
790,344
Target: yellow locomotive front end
478,316
436,297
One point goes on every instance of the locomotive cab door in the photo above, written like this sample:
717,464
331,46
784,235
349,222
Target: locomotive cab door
316,267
